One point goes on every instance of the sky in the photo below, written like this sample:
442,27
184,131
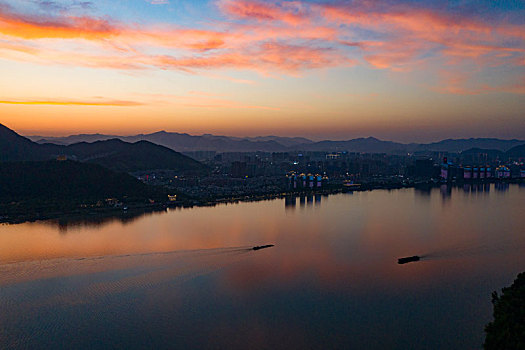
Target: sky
397,70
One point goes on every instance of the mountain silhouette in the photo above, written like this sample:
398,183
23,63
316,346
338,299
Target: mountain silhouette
516,152
114,154
182,142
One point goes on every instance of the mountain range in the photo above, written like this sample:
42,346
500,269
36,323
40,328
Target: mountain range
113,154
187,143
207,142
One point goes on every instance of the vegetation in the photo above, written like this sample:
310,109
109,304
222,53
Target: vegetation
130,157
507,331
113,154
516,152
14,147
29,188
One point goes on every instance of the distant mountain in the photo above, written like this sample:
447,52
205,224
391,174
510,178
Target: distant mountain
114,154
368,145
481,153
516,152
451,145
187,143
490,152
129,157
207,142
285,141
68,140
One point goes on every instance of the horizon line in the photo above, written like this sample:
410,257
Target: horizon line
268,135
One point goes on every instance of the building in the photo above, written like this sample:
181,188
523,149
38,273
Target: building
238,169
424,168
502,172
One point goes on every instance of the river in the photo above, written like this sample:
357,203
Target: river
187,278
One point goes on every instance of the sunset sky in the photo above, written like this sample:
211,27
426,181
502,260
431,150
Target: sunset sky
397,70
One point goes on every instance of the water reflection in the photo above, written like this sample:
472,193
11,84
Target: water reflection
310,200
99,220
173,280
501,186
95,221
424,190
290,202
446,191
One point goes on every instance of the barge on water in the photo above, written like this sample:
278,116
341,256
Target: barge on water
408,259
259,247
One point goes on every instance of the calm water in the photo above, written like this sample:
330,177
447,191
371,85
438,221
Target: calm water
187,279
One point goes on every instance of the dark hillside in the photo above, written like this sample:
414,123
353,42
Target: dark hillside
113,154
14,147
516,152
67,180
140,156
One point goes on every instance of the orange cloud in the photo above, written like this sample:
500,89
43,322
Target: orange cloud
125,46
113,103
28,27
268,56
271,37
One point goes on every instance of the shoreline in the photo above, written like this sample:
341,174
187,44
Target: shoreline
135,210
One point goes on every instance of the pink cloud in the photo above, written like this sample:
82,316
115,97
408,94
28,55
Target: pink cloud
411,32
267,56
269,37
459,82
111,103
288,12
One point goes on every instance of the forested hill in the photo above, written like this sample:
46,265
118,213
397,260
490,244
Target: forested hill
29,188
114,154
66,180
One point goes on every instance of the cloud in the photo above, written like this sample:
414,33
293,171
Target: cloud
291,12
202,99
112,103
51,6
458,82
35,27
411,32
270,37
158,2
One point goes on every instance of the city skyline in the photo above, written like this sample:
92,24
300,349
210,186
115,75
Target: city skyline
402,71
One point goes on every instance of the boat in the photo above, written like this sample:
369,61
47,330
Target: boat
259,247
408,259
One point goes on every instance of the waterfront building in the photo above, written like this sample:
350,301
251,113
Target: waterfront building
467,173
502,172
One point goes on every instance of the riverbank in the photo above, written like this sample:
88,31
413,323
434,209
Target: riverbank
129,211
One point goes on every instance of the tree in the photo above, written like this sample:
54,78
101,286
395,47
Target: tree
507,331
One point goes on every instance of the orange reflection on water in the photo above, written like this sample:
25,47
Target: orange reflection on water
344,240
190,275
